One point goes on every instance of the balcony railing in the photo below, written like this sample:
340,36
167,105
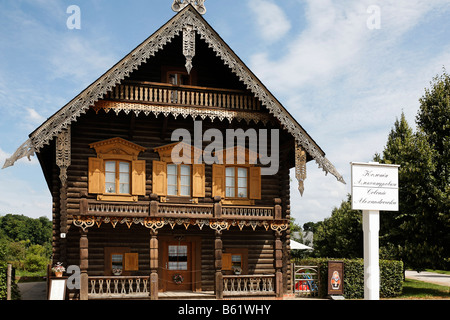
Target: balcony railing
243,285
162,93
158,209
118,287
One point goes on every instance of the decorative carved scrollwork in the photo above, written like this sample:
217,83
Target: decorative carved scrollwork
63,153
199,5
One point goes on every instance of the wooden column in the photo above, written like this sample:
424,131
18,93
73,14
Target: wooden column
217,207
84,264
278,252
154,205
218,265
154,265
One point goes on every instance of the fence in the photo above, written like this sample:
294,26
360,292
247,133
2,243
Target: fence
306,280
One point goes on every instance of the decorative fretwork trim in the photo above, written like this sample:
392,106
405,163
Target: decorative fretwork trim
300,167
63,154
85,222
176,111
187,17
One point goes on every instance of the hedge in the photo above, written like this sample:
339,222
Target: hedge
15,295
391,276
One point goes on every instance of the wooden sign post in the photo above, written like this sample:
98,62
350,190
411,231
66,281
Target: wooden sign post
374,188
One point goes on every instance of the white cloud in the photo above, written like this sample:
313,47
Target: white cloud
271,20
80,60
34,116
346,84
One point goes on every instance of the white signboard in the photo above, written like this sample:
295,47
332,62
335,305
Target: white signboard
374,186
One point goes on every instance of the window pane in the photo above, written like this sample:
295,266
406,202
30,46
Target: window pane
185,191
177,258
110,166
110,187
229,172
172,190
185,180
124,188
124,167
242,172
229,192
172,169
242,192
230,181
172,180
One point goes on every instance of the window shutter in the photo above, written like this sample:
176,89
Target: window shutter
138,178
255,183
218,180
159,182
198,180
96,181
226,261
131,262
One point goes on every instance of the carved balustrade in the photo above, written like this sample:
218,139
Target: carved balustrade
161,93
118,287
244,285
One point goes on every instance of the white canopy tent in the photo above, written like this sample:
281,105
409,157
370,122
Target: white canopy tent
299,246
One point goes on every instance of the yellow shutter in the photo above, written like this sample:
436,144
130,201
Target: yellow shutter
138,178
198,180
96,181
131,262
255,183
218,180
159,182
226,261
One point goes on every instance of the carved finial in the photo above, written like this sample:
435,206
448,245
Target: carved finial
179,5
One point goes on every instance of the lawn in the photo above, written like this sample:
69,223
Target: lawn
414,289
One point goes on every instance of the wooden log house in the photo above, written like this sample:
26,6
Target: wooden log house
139,225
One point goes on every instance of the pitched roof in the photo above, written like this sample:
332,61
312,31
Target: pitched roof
186,17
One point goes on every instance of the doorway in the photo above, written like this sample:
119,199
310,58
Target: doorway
177,263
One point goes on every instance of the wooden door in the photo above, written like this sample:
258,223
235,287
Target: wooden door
178,266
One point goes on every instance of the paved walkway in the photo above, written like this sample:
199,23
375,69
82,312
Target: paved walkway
436,278
33,290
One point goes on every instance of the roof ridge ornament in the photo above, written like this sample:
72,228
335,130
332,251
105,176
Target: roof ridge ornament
179,5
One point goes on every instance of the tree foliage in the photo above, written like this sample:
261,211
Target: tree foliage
419,232
340,236
25,242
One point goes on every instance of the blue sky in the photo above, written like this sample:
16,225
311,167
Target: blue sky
344,82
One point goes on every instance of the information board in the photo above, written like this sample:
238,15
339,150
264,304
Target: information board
374,186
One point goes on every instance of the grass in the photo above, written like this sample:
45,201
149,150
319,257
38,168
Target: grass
414,289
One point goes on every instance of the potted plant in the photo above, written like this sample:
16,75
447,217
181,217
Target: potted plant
58,269
237,270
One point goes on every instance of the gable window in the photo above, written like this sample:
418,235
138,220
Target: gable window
116,174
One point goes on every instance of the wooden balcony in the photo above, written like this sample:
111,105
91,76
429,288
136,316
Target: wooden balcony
156,209
191,96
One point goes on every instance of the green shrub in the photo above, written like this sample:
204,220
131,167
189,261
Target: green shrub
391,276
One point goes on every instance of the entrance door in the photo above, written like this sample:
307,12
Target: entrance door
178,266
